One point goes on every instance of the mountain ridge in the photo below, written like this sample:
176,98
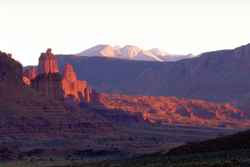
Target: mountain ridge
131,52
220,76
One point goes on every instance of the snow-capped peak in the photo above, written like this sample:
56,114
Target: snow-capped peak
130,52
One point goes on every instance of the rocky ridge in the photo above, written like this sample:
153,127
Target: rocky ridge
172,110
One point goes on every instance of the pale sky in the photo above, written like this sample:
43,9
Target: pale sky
28,27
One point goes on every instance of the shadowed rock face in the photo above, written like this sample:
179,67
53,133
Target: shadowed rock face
49,85
47,63
10,70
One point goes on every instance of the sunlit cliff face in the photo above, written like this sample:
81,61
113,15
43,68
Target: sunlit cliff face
47,63
80,90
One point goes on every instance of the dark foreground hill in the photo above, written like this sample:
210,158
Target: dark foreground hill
230,151
228,143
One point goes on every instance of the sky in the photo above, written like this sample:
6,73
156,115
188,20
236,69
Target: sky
28,27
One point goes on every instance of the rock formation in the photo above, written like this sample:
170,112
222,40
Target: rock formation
29,120
69,73
49,85
29,74
10,70
26,81
47,63
72,87
48,80
15,97
172,110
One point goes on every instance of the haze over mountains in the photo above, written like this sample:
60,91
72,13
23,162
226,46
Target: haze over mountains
130,52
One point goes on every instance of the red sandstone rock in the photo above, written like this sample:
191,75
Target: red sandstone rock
26,81
30,72
69,73
171,110
73,87
48,80
47,63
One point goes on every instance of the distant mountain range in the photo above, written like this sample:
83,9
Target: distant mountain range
131,52
218,76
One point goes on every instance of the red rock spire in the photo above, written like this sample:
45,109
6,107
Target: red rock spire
73,87
69,73
50,82
47,63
